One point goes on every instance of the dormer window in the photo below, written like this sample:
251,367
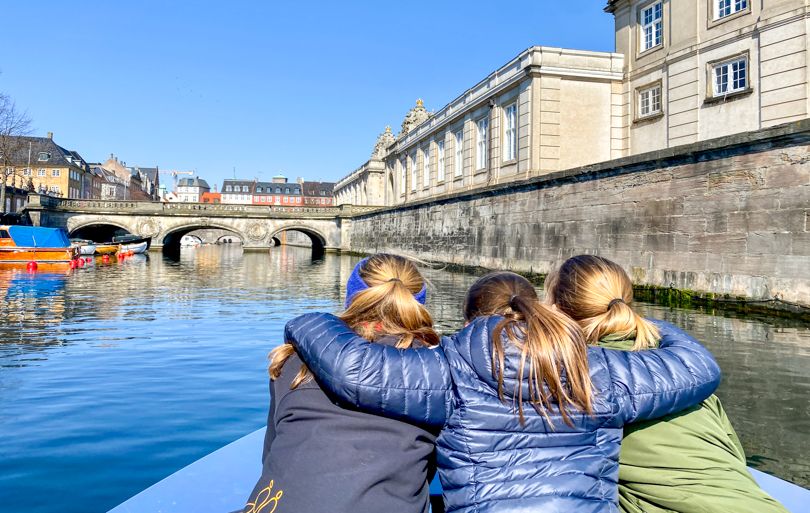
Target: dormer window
278,190
43,156
228,188
245,188
258,189
297,190
287,190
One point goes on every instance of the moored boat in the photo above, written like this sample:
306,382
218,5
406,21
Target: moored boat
132,239
87,247
107,249
137,247
22,244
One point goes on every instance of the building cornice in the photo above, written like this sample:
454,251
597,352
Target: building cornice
534,61
371,166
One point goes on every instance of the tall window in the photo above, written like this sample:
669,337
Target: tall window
651,26
510,132
56,172
413,172
458,163
730,77
426,167
725,8
27,171
41,172
649,101
403,164
481,150
440,161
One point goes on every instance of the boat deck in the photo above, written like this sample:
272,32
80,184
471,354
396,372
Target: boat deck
222,481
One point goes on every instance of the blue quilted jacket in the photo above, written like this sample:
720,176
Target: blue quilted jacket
487,461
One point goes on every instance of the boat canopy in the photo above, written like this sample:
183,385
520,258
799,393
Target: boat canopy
35,237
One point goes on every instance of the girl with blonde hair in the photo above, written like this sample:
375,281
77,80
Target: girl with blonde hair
687,462
531,416
321,456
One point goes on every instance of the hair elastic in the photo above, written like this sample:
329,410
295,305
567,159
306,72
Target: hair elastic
613,302
512,301
395,279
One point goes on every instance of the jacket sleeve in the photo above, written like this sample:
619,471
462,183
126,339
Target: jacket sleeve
410,384
653,383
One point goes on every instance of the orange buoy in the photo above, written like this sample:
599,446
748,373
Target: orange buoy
32,265
130,253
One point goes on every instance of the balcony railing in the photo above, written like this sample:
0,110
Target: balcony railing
39,202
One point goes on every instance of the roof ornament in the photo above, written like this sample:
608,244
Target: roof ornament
384,141
415,117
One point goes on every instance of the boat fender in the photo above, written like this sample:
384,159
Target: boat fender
88,260
32,266
105,258
80,262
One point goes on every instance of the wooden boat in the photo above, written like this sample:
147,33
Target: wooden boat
23,244
107,249
223,480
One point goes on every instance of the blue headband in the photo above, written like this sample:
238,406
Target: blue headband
356,284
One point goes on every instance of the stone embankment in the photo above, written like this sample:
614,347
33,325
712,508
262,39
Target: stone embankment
725,218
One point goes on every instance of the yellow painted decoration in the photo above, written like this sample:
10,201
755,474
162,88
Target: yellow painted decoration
419,102
264,498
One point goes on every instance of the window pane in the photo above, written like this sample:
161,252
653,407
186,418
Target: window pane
459,160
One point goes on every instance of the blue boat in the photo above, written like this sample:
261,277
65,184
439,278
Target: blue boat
222,481
22,244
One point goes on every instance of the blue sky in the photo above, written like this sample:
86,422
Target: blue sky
298,87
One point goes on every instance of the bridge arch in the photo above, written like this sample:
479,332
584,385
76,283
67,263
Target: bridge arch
170,237
98,230
318,239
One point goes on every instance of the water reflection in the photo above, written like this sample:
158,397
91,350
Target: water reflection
116,375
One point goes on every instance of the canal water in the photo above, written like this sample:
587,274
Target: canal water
116,375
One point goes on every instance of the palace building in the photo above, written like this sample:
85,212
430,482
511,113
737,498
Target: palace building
684,71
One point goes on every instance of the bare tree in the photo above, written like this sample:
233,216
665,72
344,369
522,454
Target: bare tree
14,124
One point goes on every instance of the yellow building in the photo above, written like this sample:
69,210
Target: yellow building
43,166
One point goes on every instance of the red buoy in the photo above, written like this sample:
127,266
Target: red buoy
105,258
32,266
88,260
72,264
80,262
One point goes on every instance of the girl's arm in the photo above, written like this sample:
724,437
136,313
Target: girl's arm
412,384
653,383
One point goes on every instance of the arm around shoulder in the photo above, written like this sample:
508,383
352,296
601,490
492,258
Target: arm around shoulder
653,383
412,384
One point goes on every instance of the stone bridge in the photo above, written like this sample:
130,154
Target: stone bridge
329,228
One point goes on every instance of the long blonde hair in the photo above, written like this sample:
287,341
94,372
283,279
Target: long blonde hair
598,294
386,307
550,343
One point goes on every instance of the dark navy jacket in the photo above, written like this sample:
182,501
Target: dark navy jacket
487,461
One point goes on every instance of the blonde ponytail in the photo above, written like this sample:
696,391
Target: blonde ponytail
598,294
386,307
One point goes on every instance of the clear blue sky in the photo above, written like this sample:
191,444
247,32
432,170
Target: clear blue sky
298,87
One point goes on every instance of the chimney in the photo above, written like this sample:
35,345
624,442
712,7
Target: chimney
215,188
50,135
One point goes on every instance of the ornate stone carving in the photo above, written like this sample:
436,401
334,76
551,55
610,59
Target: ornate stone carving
385,140
149,227
256,231
415,117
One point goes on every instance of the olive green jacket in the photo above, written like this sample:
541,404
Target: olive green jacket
687,462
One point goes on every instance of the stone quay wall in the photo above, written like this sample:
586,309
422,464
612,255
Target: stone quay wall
727,216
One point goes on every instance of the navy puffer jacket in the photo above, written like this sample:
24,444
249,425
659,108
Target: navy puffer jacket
487,461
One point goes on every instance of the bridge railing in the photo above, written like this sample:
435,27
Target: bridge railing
39,202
